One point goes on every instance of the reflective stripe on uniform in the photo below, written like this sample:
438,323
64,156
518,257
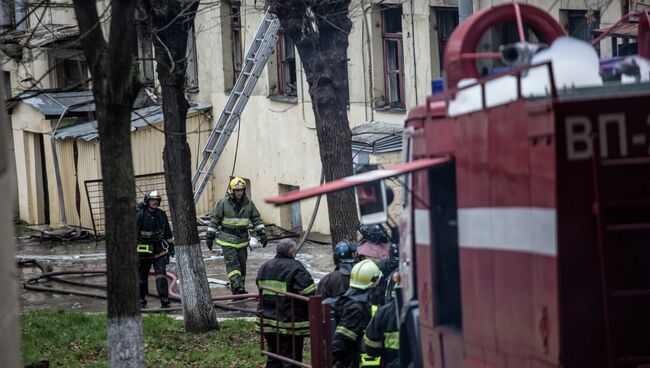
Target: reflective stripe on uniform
235,222
284,331
345,332
308,289
260,226
391,340
273,323
224,243
144,248
233,273
369,361
371,343
274,284
212,229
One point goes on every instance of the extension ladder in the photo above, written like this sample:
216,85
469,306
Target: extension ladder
256,58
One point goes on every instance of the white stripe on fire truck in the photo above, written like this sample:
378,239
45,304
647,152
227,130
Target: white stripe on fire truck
520,229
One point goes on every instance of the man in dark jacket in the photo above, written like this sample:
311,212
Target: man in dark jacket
155,246
353,314
337,282
382,335
284,332
232,214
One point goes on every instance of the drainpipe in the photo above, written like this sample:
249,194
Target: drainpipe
465,9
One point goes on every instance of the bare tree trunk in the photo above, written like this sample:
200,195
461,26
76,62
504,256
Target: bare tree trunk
10,336
114,88
174,19
320,31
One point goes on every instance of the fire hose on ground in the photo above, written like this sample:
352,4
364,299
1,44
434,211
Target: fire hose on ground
30,284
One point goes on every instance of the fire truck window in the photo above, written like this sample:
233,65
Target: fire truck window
503,33
372,202
444,240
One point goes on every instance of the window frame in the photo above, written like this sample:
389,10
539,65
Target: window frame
235,44
392,37
439,11
281,61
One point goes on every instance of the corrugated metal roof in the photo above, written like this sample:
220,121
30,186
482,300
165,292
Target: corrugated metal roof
78,103
52,104
88,131
377,137
41,36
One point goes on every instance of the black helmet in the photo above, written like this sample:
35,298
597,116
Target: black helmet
374,233
152,195
344,250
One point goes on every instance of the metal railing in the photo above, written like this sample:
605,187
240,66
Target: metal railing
320,328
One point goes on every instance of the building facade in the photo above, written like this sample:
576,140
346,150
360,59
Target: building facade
395,51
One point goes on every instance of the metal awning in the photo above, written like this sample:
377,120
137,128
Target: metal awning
353,181
377,137
625,30
41,36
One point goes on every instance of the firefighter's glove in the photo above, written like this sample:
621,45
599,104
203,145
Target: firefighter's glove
171,251
209,239
263,238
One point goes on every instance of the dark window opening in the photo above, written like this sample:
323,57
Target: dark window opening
286,56
73,74
145,52
446,22
580,23
446,258
235,40
393,56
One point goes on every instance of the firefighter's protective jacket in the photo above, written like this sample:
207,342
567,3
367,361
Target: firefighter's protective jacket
333,284
352,316
382,336
152,227
233,217
285,274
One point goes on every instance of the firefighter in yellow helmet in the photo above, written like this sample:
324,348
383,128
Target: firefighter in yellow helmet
352,314
231,218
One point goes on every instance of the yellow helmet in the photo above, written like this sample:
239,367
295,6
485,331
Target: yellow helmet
236,183
365,275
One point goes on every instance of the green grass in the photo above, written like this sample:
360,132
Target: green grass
74,339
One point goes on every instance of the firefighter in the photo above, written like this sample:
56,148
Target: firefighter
233,213
338,281
382,335
285,332
352,314
155,246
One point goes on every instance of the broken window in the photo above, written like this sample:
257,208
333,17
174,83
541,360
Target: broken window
446,22
145,53
286,68
580,23
192,71
393,55
72,74
235,40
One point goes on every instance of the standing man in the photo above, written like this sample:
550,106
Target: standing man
284,332
155,246
233,213
353,314
337,282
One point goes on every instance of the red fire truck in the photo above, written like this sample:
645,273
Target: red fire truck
526,227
